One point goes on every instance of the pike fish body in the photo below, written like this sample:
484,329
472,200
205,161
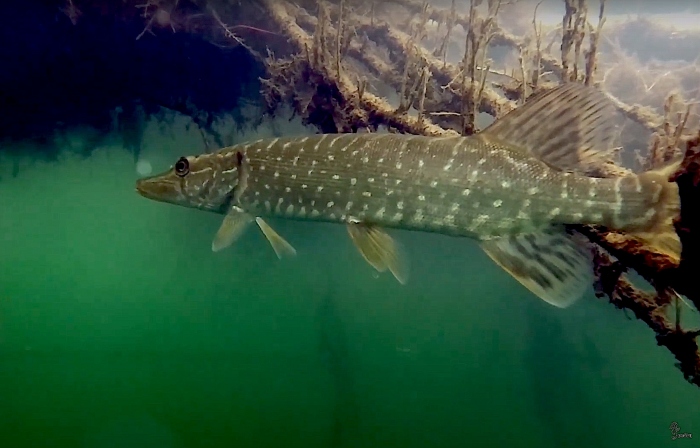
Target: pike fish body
512,187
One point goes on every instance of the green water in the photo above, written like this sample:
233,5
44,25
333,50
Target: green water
120,328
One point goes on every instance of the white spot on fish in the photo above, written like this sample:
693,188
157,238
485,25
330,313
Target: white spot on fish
421,197
434,184
277,174
294,176
353,181
497,203
366,194
454,207
389,192
304,186
399,205
315,213
267,187
450,220
348,206
330,204
481,161
290,209
314,163
554,213
505,184
331,158
478,222
319,188
302,211
287,189
578,216
420,163
332,216
398,165
380,213
532,190
336,177
418,217
590,203
398,217
371,179
365,159
466,192
506,223
398,181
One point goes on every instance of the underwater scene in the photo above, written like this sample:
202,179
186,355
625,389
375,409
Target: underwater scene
349,223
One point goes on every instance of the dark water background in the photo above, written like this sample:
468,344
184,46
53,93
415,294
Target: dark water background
120,328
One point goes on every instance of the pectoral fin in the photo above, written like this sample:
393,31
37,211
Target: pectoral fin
279,244
550,264
234,224
379,249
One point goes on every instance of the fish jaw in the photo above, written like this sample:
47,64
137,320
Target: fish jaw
160,188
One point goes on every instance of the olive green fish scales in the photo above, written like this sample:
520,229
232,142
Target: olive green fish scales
448,185
512,187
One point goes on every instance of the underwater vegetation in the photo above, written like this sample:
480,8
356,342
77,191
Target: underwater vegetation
409,67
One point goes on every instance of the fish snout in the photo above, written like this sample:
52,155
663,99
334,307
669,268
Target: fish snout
156,189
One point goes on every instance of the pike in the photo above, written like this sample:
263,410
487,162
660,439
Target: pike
513,187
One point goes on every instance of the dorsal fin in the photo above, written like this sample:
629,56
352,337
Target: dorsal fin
570,127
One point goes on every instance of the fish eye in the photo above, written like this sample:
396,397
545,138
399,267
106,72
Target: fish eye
182,167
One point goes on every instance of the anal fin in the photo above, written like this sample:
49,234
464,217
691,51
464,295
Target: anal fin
234,224
379,249
279,244
550,264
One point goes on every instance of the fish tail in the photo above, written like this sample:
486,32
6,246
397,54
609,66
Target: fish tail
664,200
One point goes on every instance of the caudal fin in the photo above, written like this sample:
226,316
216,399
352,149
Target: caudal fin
661,234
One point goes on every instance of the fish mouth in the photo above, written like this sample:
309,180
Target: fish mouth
154,188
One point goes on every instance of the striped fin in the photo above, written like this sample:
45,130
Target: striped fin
237,221
569,127
279,244
550,264
234,224
379,249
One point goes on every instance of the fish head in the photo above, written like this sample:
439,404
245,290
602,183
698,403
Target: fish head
201,182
